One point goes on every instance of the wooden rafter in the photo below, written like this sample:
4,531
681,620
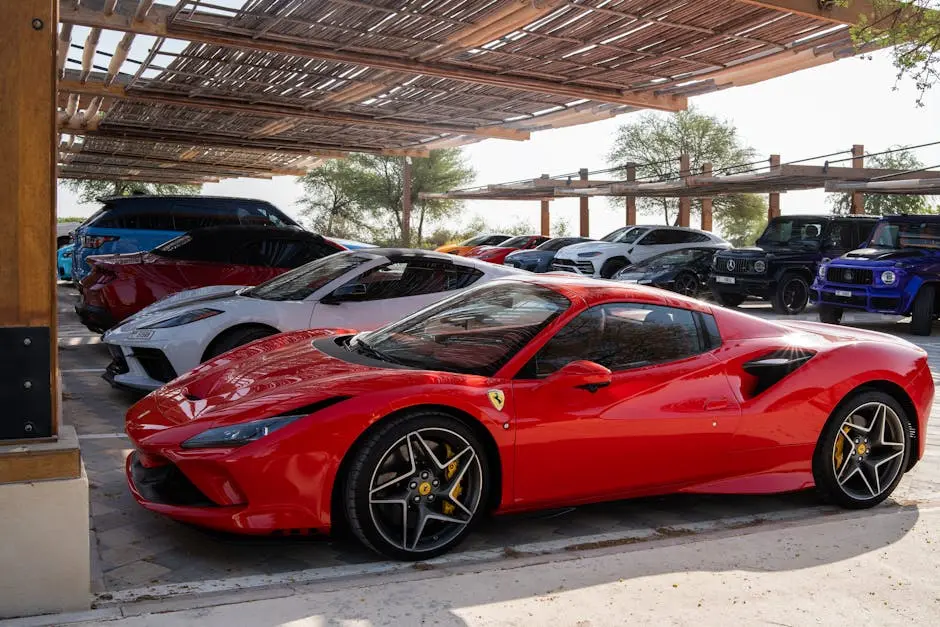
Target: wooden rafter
98,89
80,155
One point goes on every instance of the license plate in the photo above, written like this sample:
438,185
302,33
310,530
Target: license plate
843,293
724,279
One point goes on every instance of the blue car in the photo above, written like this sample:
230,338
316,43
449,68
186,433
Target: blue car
539,259
64,263
897,272
130,224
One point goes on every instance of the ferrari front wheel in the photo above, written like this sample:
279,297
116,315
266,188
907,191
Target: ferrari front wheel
863,451
417,486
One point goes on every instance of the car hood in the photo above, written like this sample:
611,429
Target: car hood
179,301
571,252
278,375
525,255
449,248
758,252
489,250
881,255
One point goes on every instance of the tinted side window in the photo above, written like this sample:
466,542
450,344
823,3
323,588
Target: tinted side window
620,336
187,217
258,215
412,278
664,236
696,237
145,218
280,253
494,240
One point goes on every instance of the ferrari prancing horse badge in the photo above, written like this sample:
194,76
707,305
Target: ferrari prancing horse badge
497,398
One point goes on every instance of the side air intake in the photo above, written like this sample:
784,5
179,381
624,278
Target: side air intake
772,367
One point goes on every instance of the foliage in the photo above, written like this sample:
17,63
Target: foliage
560,228
654,142
912,30
70,219
886,204
742,218
90,190
361,196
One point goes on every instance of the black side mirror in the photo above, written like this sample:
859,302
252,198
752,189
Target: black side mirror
344,293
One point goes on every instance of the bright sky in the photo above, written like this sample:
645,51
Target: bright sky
813,112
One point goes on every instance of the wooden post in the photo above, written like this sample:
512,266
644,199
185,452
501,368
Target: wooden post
546,219
28,355
685,202
631,200
406,204
585,212
858,161
707,202
773,204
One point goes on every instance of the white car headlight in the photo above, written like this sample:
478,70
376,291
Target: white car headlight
760,266
184,318
888,277
822,271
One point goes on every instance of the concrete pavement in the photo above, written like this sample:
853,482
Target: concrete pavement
878,567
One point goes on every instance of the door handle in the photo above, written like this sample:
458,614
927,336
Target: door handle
714,404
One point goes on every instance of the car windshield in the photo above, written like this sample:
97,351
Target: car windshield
299,283
475,332
626,235
792,231
560,242
898,235
515,242
474,241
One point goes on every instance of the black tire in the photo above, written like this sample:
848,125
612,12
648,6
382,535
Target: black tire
233,338
612,266
687,284
826,457
728,299
792,294
373,527
922,313
830,314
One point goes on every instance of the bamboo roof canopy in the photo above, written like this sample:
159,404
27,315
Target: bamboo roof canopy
199,90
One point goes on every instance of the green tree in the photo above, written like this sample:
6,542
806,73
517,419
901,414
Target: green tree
363,195
654,142
912,30
561,228
744,218
90,190
886,204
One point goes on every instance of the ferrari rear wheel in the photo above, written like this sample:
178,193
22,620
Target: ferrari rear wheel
863,451
417,486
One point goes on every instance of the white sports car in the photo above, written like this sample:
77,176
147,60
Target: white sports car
361,289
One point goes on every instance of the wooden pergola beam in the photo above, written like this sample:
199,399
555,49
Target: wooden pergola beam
79,174
849,14
279,111
156,24
184,163
215,141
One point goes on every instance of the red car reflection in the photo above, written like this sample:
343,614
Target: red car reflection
121,285
521,394
497,254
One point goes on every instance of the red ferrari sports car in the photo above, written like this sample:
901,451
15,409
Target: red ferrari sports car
121,285
497,254
526,393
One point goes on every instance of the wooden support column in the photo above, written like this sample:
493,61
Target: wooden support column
706,202
631,200
773,204
858,161
685,202
28,382
406,204
546,218
585,212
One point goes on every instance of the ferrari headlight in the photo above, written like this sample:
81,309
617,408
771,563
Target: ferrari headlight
185,318
760,266
240,434
888,277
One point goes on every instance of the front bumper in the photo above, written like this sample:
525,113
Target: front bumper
136,368
861,297
760,287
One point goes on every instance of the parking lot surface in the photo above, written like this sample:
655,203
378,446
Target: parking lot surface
134,550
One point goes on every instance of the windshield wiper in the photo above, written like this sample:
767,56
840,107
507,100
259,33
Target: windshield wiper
367,349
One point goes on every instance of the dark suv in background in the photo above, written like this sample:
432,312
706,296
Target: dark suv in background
782,265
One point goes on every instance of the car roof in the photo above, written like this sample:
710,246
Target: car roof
912,217
112,200
825,216
253,231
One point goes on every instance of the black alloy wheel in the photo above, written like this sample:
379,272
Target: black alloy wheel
792,294
417,486
863,450
922,313
686,284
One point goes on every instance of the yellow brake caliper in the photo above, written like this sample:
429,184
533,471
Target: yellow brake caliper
448,508
837,453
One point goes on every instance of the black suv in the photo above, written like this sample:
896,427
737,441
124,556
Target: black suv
782,266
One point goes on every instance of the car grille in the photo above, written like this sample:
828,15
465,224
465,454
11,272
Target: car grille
735,265
569,265
167,485
850,276
118,363
156,364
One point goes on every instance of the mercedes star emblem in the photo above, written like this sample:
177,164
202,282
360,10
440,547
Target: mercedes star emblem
731,264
